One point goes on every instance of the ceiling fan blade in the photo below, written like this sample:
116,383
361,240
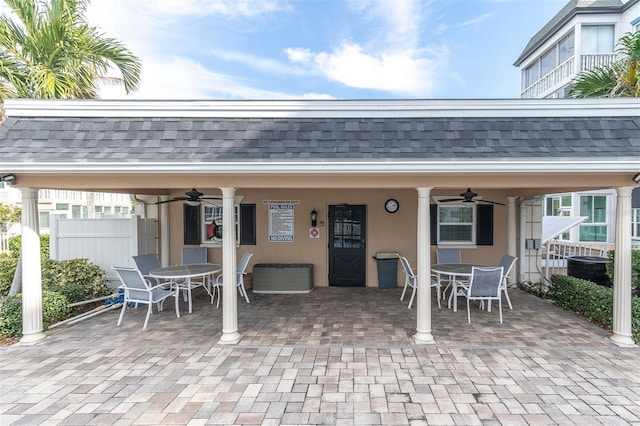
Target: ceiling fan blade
491,202
448,200
171,200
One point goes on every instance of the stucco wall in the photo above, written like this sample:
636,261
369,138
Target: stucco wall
385,232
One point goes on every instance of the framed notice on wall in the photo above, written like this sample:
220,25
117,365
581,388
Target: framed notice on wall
281,223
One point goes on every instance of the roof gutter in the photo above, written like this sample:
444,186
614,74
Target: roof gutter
557,165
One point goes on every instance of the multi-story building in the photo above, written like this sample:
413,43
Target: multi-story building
582,36
71,204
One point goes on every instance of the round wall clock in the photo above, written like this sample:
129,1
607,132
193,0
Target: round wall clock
391,205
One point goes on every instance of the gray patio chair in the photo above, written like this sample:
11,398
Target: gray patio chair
448,255
507,262
411,280
240,273
145,263
485,285
139,291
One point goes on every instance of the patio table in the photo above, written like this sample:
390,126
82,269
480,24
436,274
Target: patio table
454,270
186,273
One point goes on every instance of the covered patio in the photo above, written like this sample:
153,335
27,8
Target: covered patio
342,161
333,356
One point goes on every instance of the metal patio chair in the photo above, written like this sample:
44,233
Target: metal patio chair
485,285
138,290
240,273
411,280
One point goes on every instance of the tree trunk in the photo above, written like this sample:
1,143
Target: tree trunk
16,284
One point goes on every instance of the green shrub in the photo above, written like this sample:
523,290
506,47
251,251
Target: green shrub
76,279
11,316
8,266
635,270
15,245
54,309
590,300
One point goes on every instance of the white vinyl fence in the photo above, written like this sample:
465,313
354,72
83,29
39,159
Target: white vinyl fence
106,242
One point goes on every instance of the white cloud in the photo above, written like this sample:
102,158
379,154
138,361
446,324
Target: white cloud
391,59
475,20
397,72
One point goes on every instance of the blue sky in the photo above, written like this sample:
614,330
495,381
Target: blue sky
324,49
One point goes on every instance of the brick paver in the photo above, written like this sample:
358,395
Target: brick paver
335,356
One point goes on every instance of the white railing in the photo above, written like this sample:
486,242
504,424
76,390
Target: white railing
561,74
61,196
554,78
555,253
591,61
4,241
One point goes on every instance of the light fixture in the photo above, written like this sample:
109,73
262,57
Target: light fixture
636,178
10,179
314,218
193,203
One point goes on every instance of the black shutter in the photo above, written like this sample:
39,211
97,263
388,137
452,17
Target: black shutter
191,224
484,226
433,214
248,224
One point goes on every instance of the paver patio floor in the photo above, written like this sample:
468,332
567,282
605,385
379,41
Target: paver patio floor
334,356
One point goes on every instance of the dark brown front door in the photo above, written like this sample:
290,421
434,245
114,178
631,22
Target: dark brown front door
347,248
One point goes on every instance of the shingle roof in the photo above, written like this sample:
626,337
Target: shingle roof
572,8
188,140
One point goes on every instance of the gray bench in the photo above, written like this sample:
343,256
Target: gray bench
282,278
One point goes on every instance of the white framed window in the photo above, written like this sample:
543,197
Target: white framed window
598,39
635,225
211,214
559,205
456,224
549,60
594,229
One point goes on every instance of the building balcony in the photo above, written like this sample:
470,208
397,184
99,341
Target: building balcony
564,73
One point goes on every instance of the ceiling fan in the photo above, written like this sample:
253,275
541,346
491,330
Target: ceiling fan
469,197
193,198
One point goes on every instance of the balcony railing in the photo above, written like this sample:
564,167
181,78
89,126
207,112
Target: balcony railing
555,78
563,73
588,62
554,255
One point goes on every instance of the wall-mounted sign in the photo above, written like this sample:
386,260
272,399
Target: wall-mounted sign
281,223
280,201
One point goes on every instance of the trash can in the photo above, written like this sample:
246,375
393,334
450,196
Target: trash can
590,268
387,269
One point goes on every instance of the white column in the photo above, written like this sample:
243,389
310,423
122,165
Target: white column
511,232
622,270
164,232
423,305
32,330
229,293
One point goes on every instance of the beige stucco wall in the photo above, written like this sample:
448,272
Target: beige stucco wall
385,232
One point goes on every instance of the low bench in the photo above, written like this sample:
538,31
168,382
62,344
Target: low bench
282,278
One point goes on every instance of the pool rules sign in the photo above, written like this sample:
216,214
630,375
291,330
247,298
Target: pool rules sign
281,223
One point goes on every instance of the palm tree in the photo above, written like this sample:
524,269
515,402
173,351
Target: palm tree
51,52
618,79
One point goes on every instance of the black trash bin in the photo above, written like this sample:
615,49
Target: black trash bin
589,268
387,269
